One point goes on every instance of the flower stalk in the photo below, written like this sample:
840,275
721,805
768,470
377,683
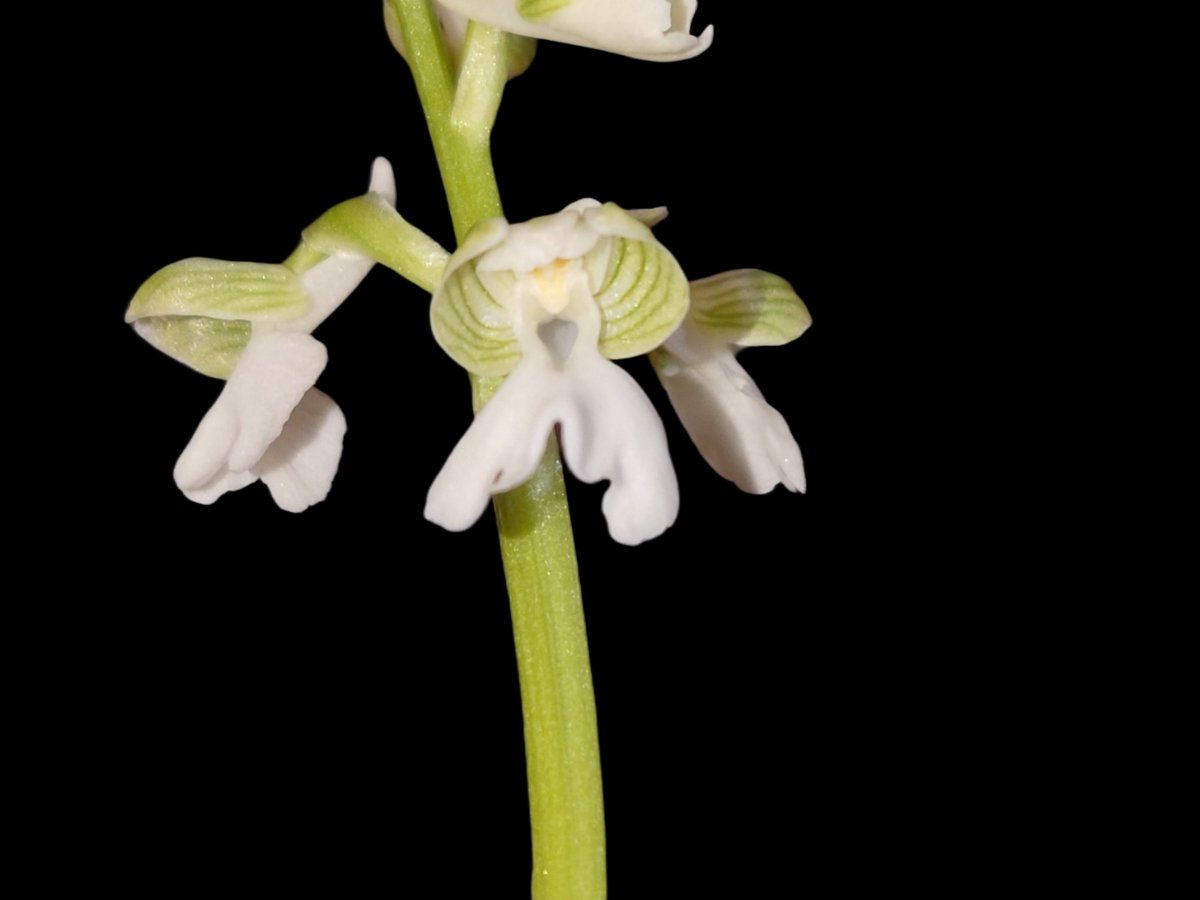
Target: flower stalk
536,542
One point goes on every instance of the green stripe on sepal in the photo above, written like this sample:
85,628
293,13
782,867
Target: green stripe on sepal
469,323
639,289
536,10
254,292
210,346
369,226
748,308
643,297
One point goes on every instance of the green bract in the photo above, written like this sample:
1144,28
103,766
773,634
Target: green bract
636,284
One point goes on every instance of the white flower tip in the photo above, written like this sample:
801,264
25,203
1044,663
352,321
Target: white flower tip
259,420
299,466
739,434
682,44
383,180
499,451
204,456
451,509
635,517
791,473
649,217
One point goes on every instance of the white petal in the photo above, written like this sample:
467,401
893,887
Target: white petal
741,436
204,458
609,430
329,283
299,466
273,373
646,29
500,450
221,483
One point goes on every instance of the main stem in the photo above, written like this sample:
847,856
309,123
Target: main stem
566,804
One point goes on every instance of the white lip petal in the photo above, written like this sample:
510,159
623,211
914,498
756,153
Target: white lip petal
274,372
300,464
272,375
206,454
611,431
737,432
500,450
220,483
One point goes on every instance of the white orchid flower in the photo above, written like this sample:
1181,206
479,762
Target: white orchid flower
548,303
740,435
656,30
252,323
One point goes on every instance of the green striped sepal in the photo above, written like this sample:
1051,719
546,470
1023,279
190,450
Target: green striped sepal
199,311
643,295
748,308
639,288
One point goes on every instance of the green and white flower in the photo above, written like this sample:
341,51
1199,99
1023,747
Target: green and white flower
656,30
740,435
251,323
549,303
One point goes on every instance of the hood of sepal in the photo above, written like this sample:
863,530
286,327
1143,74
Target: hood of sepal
199,311
210,346
470,323
640,290
643,291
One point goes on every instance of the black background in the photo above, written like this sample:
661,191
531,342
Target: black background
331,698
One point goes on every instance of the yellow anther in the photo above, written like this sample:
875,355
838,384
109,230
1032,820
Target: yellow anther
552,285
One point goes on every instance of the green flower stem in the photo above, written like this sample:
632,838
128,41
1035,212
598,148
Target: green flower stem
462,146
561,744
